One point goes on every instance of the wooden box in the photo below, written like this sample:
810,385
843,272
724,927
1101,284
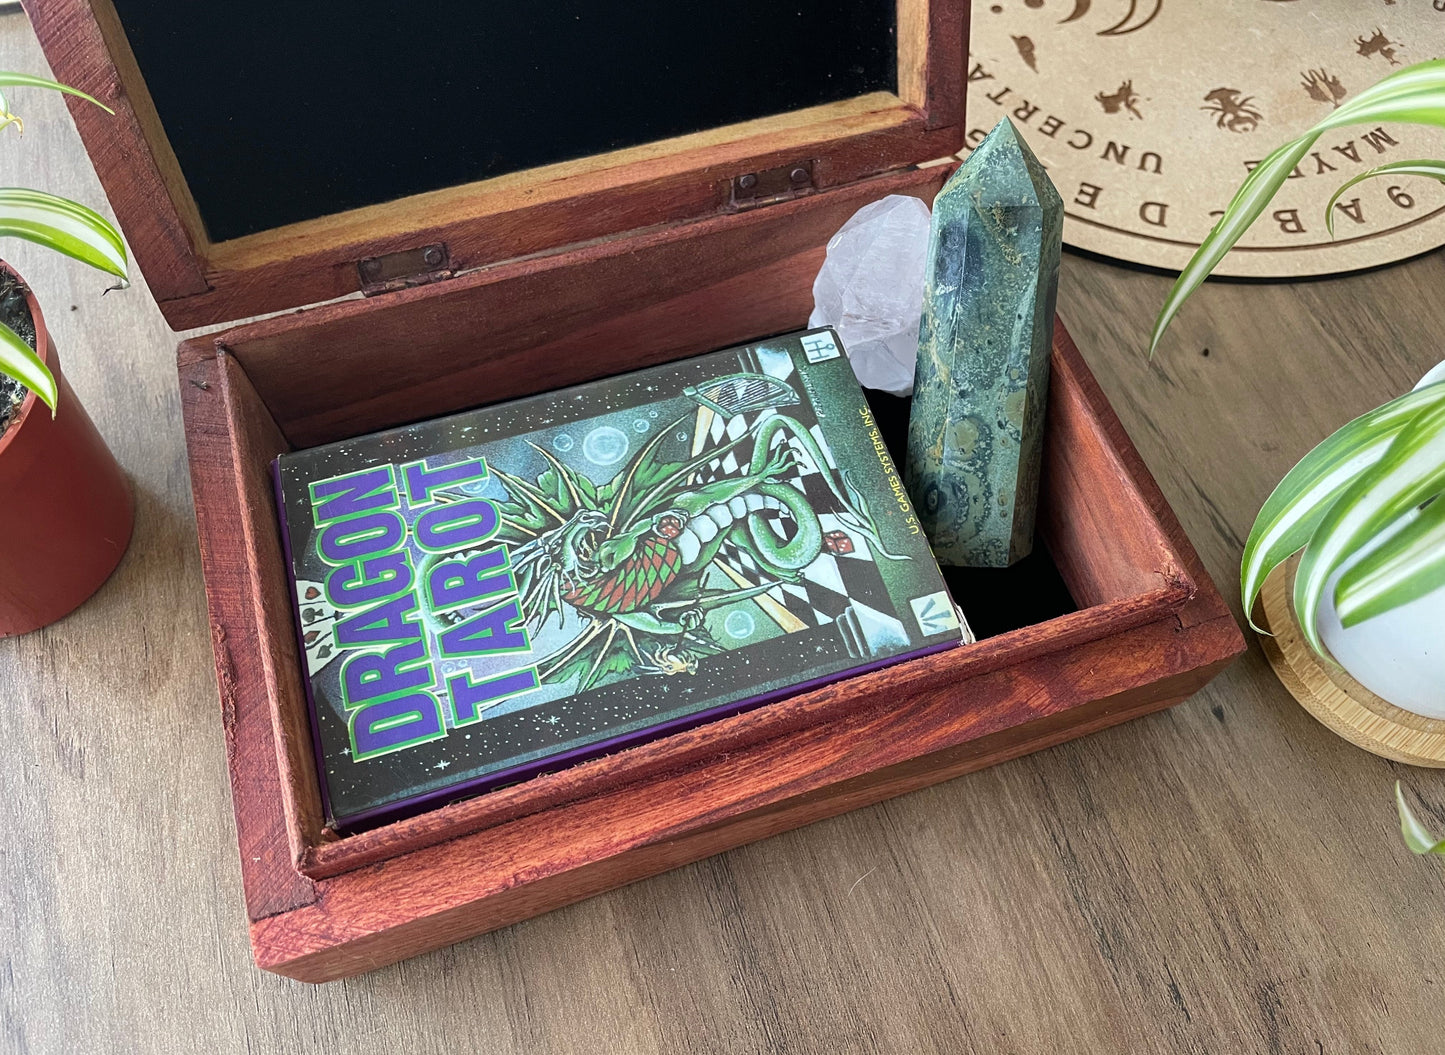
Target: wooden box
546,277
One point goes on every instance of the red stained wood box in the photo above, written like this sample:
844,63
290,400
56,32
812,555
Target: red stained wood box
532,280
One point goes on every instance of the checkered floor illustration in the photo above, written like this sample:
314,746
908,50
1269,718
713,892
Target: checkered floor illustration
833,580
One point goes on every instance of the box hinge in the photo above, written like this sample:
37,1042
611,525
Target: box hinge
410,267
766,186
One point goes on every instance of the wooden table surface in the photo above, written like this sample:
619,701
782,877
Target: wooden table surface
1225,876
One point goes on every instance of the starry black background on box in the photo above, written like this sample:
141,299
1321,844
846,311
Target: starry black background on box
334,106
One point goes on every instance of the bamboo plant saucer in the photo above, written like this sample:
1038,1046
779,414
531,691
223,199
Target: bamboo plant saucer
1329,693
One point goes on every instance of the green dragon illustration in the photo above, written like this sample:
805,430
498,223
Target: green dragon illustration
629,556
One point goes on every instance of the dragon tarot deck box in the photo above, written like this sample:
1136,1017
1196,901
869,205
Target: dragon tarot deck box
504,591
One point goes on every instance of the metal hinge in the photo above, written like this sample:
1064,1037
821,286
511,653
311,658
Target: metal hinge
766,186
410,267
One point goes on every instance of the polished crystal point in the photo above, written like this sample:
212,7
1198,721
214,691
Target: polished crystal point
975,435
870,290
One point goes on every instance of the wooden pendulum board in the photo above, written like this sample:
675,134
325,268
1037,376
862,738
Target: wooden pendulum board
1148,114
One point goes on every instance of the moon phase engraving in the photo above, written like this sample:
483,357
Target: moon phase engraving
1131,22
1139,15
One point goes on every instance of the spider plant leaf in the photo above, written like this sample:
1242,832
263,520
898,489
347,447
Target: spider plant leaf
19,361
1426,107
27,80
1417,836
1432,169
64,226
1413,95
1430,72
1411,472
1297,505
1403,568
1257,191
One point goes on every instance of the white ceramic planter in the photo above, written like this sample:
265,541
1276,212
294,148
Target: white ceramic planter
1399,656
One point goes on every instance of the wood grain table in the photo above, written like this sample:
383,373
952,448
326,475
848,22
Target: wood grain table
1227,876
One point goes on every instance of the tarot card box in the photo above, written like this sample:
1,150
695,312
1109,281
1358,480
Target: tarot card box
498,594
579,234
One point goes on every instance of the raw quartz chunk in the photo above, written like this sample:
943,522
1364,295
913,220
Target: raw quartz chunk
871,290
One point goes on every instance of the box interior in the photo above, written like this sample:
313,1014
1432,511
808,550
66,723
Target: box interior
995,600
349,368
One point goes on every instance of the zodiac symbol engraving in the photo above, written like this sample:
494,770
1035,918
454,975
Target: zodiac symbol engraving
1379,44
1026,52
1139,15
1235,111
1123,99
1322,87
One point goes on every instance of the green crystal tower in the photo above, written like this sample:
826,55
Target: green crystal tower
975,434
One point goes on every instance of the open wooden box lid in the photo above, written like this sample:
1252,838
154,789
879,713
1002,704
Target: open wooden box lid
264,156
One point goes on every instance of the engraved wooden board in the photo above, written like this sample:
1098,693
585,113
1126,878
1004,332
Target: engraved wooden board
1148,114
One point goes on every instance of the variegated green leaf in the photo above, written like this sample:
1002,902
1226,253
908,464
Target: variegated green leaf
19,361
1417,836
1257,191
1413,95
1411,471
1405,567
1377,470
9,79
1431,169
1425,107
63,225
56,223
1419,76
1297,505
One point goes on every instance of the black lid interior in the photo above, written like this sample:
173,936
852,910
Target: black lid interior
282,111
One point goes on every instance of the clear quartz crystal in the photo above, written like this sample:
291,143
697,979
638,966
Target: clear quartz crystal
871,290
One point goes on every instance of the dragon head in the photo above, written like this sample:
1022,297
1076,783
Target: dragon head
572,547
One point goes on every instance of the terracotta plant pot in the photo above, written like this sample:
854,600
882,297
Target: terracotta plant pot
65,505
